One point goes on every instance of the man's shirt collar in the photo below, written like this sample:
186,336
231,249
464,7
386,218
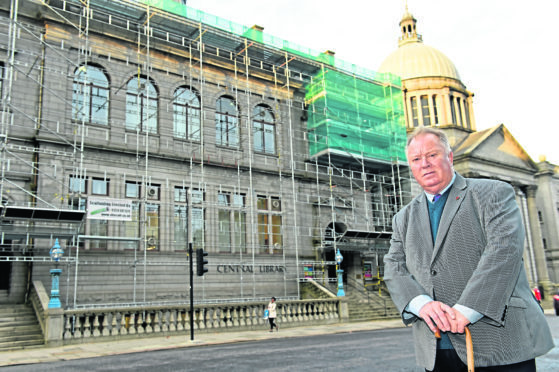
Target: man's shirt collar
431,196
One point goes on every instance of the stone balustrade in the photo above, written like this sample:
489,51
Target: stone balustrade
89,325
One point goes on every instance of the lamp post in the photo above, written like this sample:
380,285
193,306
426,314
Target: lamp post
339,271
55,253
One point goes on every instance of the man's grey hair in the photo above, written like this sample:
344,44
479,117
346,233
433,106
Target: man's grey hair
443,139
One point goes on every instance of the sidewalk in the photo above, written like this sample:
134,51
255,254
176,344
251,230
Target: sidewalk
90,350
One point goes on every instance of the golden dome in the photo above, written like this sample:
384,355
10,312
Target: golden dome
415,59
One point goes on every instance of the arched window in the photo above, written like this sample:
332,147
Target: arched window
226,122
90,97
141,105
186,114
263,130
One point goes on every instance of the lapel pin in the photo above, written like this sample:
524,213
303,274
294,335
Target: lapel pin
457,197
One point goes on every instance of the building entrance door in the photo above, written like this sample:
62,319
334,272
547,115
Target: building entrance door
5,272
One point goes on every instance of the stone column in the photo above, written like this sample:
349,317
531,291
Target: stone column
529,261
470,101
539,253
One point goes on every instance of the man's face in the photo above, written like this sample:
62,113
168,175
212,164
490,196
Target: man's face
430,165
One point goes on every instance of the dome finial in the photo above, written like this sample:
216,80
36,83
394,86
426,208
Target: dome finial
407,27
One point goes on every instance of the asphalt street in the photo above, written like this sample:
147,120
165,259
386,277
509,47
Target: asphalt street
377,350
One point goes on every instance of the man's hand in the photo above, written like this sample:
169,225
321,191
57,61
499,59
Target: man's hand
440,316
460,323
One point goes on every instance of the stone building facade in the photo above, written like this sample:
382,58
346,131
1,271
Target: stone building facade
162,131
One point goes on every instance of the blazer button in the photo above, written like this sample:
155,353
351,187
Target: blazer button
433,272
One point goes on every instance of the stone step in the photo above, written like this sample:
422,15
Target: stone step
21,337
18,345
19,328
18,323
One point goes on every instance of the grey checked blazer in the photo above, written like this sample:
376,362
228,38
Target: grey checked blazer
476,261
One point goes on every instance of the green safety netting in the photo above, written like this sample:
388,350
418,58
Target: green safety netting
354,110
268,40
355,116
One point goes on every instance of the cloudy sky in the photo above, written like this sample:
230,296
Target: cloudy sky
506,52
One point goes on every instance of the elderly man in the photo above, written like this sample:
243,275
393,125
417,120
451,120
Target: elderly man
455,260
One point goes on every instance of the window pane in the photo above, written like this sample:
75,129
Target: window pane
77,184
425,111
198,227
262,203
180,194
180,226
99,187
227,131
132,190
141,105
90,98
132,228
224,234
152,228
98,228
263,237
415,119
258,134
269,139
239,232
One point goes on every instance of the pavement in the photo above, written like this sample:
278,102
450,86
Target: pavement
126,346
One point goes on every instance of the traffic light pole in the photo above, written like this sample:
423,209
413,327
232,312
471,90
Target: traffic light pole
190,258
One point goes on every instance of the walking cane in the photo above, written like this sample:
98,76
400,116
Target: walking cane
469,348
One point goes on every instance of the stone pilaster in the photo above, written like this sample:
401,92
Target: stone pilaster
539,253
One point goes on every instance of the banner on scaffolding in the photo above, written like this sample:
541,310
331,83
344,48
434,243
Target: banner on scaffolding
109,209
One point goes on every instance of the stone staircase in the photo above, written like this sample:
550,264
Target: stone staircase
362,305
19,327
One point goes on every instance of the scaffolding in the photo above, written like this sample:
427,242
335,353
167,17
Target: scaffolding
268,155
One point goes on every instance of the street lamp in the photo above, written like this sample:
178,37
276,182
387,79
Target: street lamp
339,259
55,253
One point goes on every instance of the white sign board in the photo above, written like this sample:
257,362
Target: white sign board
109,209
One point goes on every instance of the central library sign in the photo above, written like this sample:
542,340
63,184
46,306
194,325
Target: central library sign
264,269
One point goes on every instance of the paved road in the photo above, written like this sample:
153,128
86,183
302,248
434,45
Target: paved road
382,350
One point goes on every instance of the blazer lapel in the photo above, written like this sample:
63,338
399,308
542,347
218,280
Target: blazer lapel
423,222
455,198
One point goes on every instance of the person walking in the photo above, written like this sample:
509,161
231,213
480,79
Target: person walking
272,315
455,260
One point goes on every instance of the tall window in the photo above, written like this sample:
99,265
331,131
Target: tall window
226,122
467,111
197,213
90,97
180,218
263,130
270,238
186,110
415,119
435,112
141,105
232,223
152,226
453,110
425,111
